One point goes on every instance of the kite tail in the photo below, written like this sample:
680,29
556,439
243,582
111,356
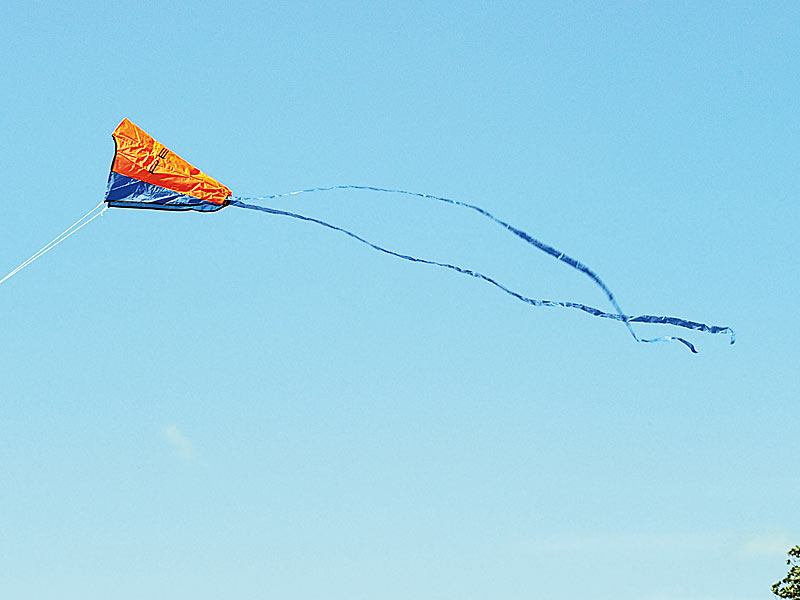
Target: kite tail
618,316
557,254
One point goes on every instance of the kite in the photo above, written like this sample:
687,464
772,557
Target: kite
147,175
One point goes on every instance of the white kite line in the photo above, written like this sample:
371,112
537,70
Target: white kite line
76,226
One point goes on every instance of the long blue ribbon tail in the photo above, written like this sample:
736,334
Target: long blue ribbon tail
618,316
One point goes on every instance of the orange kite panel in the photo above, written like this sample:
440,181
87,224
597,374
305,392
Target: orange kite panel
141,157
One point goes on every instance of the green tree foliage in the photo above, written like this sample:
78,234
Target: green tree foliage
789,586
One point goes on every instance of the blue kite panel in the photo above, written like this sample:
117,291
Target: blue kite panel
126,192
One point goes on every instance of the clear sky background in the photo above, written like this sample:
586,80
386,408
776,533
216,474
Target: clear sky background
241,405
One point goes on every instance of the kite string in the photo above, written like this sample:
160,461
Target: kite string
75,227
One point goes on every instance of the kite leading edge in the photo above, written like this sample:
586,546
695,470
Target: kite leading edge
147,175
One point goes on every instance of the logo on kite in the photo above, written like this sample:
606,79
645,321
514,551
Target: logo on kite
147,175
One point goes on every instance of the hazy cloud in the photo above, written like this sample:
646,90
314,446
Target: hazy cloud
632,543
179,441
767,545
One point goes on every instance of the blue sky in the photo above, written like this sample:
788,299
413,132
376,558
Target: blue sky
194,405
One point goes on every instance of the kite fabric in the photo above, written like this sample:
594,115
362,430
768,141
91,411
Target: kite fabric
147,175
